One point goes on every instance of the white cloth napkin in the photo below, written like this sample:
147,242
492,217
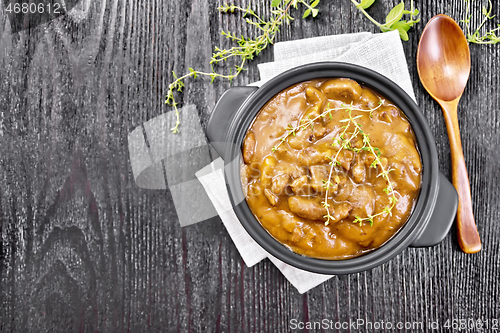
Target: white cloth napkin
380,52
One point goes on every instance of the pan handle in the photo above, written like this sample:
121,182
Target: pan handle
443,216
223,114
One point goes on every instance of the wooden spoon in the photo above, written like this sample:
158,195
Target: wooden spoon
443,63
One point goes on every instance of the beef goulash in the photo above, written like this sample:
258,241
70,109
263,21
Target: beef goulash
331,169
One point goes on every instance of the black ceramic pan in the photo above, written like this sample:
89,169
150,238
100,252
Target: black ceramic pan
435,208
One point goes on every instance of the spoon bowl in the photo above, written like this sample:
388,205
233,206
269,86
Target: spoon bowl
443,63
443,59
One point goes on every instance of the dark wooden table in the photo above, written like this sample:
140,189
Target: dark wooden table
84,249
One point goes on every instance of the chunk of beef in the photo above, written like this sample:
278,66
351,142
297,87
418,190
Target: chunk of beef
319,176
370,158
369,99
249,147
292,225
339,211
346,90
345,189
345,158
288,221
245,177
362,199
358,170
302,186
311,156
267,168
314,95
383,115
271,197
312,209
300,140
312,112
306,208
294,171
406,178
279,183
401,148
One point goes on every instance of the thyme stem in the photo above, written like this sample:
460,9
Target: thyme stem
365,13
310,122
247,49
377,162
345,144
394,20
489,37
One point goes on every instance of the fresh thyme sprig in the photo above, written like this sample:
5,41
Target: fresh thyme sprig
393,20
307,121
346,144
489,37
246,48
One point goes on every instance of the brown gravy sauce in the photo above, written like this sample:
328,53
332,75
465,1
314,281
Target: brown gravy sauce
285,188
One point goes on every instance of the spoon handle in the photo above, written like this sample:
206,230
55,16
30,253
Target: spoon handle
468,237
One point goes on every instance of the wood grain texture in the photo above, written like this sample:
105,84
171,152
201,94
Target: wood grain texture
83,249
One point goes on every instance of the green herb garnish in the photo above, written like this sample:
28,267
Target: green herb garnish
351,129
346,144
247,48
393,20
489,37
